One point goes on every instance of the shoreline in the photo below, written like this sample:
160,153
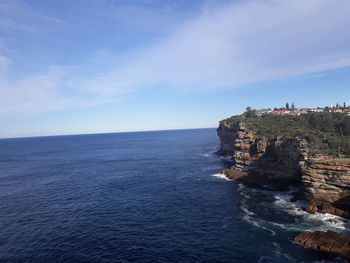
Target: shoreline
328,242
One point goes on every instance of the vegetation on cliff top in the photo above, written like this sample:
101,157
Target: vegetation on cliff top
327,133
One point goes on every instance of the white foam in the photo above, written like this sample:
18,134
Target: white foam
246,211
245,195
258,223
304,221
221,176
248,217
244,191
279,253
317,221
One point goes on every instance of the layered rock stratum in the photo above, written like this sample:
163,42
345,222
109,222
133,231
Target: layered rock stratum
328,242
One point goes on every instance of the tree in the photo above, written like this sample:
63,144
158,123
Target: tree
293,106
287,106
250,112
345,126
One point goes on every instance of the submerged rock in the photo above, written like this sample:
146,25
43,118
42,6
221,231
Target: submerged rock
321,207
328,242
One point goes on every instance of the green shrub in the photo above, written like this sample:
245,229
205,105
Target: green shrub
326,132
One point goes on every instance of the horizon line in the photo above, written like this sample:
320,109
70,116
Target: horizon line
101,133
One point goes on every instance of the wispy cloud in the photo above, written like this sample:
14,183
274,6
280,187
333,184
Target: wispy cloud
245,43
50,91
19,15
34,94
224,46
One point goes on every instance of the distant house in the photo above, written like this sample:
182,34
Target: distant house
336,110
302,111
316,110
263,112
281,112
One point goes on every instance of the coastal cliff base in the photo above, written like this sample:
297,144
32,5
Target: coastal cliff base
321,207
328,242
257,180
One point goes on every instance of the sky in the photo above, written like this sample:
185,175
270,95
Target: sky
83,66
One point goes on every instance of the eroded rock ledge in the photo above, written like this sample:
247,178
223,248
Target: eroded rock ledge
328,242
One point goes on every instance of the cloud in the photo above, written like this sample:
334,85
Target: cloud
225,46
245,43
53,90
17,15
32,94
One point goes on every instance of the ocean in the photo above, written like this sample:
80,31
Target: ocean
142,197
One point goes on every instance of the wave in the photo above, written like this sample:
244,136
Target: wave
302,220
221,176
258,223
246,211
245,192
249,218
275,213
309,222
249,215
279,253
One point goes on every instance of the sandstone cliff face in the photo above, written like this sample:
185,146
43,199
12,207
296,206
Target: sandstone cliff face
256,156
227,136
326,179
286,161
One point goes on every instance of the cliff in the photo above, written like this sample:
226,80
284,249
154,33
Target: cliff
283,156
263,161
284,161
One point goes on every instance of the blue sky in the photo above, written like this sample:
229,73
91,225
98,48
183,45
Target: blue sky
70,67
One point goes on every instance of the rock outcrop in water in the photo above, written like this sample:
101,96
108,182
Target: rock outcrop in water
328,242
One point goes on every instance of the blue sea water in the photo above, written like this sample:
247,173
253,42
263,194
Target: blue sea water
141,197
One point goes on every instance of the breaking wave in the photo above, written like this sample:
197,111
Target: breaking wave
275,207
308,222
221,176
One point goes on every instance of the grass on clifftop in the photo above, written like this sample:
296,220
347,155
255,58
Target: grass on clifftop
327,133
